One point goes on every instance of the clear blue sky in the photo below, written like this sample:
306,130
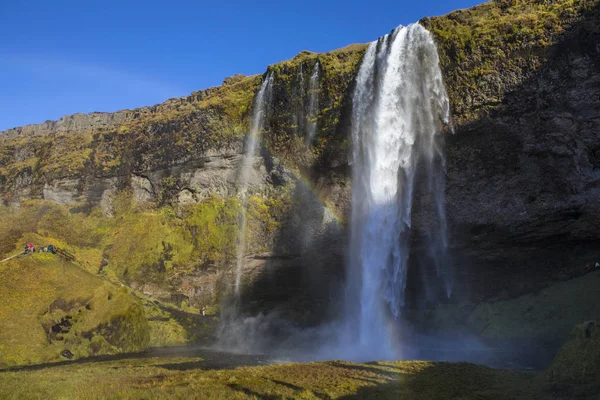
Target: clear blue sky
61,57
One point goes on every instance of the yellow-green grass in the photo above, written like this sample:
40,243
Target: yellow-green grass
184,378
42,290
143,243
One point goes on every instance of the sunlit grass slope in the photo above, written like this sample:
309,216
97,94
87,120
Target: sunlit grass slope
183,378
48,305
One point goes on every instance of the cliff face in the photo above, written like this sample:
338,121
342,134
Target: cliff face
522,165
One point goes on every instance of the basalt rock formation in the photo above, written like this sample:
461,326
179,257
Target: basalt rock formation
522,161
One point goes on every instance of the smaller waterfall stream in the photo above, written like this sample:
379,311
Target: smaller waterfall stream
259,110
313,104
299,94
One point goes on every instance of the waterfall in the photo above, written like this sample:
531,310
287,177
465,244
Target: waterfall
298,102
259,110
313,104
399,106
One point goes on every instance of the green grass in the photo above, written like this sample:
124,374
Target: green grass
136,246
578,362
549,315
144,244
184,378
42,290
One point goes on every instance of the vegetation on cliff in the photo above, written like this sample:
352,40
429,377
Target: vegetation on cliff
485,51
142,243
82,305
488,50
182,130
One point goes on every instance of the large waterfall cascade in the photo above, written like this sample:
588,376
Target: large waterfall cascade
400,105
259,110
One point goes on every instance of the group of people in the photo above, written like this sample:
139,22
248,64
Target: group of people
589,268
30,249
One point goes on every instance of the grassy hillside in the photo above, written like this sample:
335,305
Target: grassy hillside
141,244
578,362
48,305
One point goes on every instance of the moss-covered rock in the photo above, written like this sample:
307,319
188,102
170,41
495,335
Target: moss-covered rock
578,362
167,332
545,317
488,50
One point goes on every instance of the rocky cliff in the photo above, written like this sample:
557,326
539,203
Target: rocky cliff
521,187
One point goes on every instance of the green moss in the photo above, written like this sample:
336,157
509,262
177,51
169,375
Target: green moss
139,244
213,228
49,305
147,246
53,156
64,154
578,362
337,71
508,37
167,333
547,316
265,216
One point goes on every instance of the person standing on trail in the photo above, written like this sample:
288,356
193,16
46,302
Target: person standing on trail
26,249
597,266
203,310
31,248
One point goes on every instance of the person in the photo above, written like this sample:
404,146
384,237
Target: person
203,311
597,266
51,249
588,268
42,249
26,249
31,248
